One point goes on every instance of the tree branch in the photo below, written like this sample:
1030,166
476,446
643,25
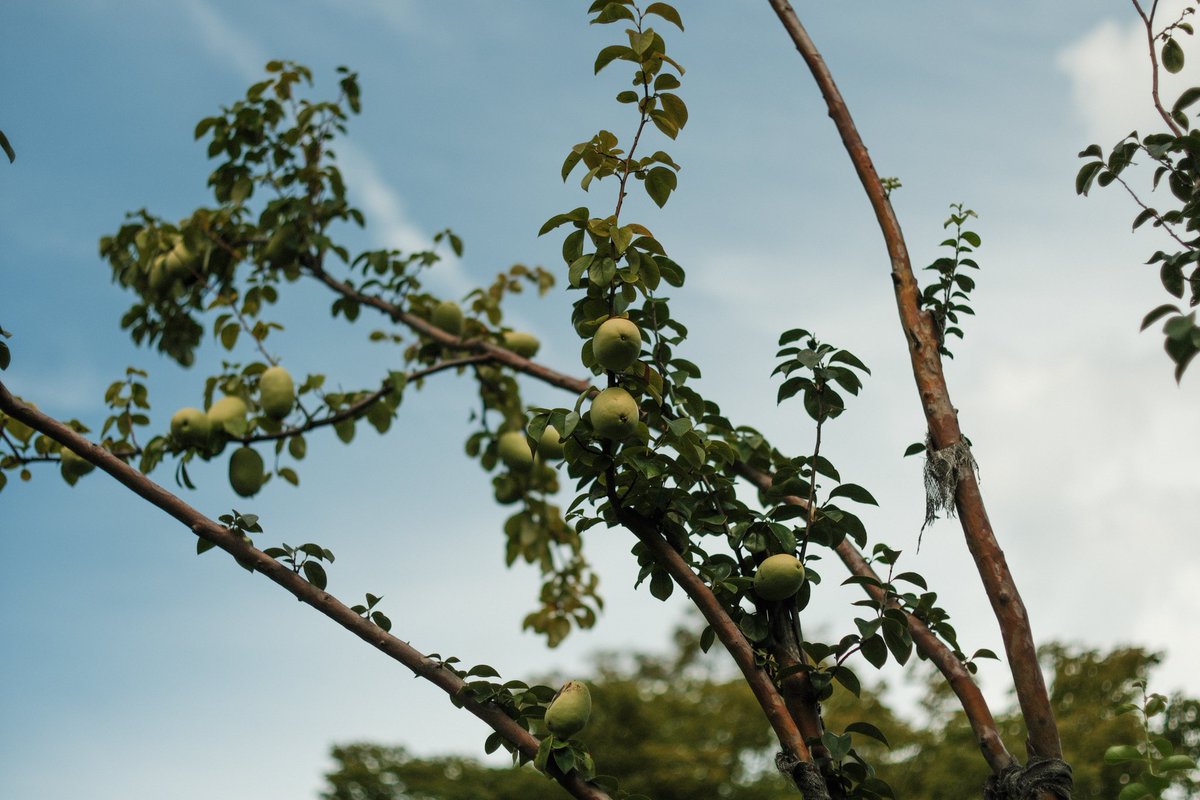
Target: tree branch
940,414
723,626
245,553
935,649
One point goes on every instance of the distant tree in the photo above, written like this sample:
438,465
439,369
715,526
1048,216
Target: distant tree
673,728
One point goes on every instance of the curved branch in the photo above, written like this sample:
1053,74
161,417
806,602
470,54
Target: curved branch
723,626
964,687
233,543
987,735
940,414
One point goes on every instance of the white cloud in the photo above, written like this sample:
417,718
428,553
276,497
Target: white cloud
1109,71
225,41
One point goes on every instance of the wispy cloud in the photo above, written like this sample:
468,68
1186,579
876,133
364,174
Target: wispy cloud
232,47
390,224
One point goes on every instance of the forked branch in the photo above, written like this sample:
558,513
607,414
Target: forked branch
940,414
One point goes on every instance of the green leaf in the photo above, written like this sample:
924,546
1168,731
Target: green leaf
1186,99
612,53
661,585
1087,174
660,182
874,649
867,729
1172,60
314,573
853,492
914,448
1157,314
5,356
1133,791
666,12
483,671
7,148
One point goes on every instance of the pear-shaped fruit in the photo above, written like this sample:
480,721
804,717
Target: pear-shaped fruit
226,411
73,467
614,413
522,343
617,344
246,471
514,450
778,577
276,392
449,317
191,427
549,445
569,710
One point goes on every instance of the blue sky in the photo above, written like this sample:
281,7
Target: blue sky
133,667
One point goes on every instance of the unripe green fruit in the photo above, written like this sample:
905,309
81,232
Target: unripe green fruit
614,414
191,427
179,261
522,343
246,471
449,317
226,410
778,577
569,710
507,490
514,450
276,392
549,445
74,467
617,344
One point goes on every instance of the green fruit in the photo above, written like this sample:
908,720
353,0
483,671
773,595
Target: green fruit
778,577
569,710
514,450
226,411
549,445
508,491
614,414
246,471
449,317
617,344
180,261
276,392
523,344
73,467
191,427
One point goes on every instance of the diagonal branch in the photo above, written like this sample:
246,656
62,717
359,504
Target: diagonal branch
940,414
935,649
723,626
233,543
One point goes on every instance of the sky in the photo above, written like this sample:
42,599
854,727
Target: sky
131,666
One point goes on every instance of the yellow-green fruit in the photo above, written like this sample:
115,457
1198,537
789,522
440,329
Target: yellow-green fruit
614,413
513,449
191,427
569,710
522,343
617,344
449,317
549,445
778,577
276,392
74,467
246,471
179,261
225,411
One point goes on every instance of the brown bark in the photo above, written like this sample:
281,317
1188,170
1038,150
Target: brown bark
245,553
726,630
935,650
940,414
